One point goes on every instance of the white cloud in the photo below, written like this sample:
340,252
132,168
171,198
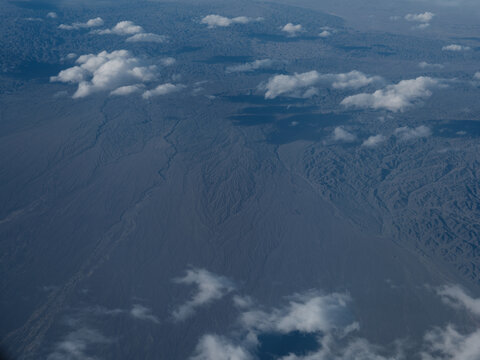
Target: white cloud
78,25
105,71
52,15
396,97
292,30
210,287
340,134
163,89
122,28
222,21
422,18
325,33
455,296
168,61
251,66
374,140
143,313
308,313
303,85
455,47
127,90
477,75
213,347
426,65
76,344
406,133
147,37
448,343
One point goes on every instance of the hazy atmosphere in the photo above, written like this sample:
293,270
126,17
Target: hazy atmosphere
240,180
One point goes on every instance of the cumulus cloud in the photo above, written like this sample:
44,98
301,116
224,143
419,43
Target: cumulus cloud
340,134
457,297
163,89
477,75
75,345
406,133
105,71
52,15
325,33
210,287
147,37
143,313
426,65
86,25
421,18
455,47
292,30
447,343
168,61
213,347
396,97
221,21
122,28
303,85
251,66
308,313
374,140
127,90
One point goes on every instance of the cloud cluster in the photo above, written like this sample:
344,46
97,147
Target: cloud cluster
406,133
213,347
106,71
251,66
221,21
455,47
210,287
304,85
396,97
86,25
292,30
52,15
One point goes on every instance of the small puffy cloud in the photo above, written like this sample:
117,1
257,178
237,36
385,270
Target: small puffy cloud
406,133
163,89
340,134
210,287
455,47
396,97
52,15
292,30
105,71
374,140
303,85
421,18
143,313
213,347
123,28
127,90
168,61
86,25
426,65
147,37
221,21
251,66
76,344
325,33
477,75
